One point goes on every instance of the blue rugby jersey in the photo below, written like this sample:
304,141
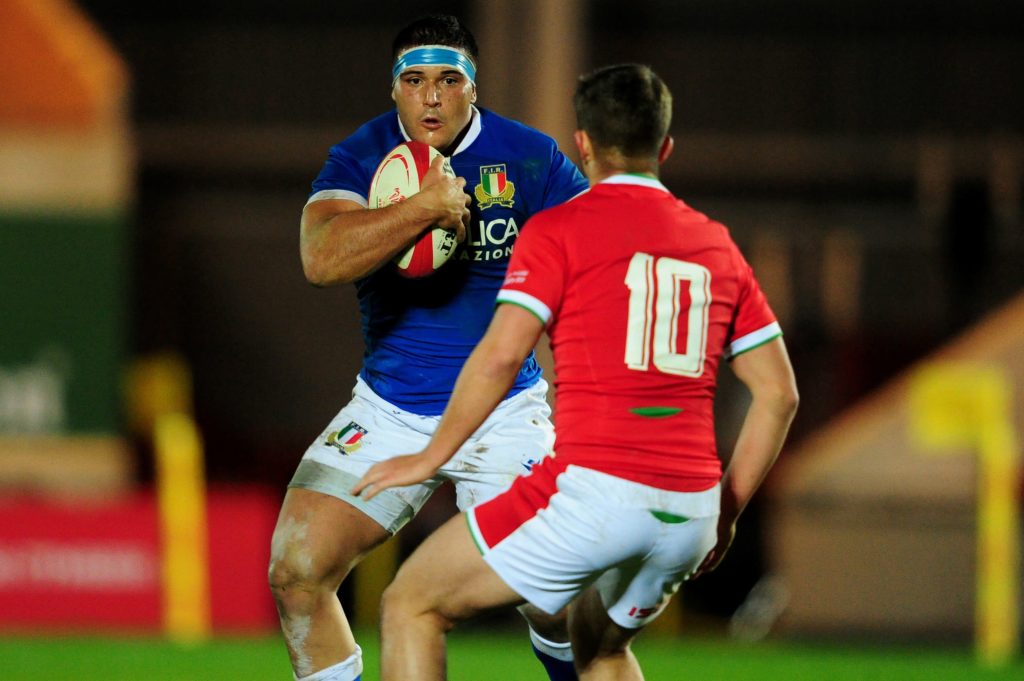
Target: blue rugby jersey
419,332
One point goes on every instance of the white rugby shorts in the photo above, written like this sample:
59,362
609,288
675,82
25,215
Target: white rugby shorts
563,528
369,429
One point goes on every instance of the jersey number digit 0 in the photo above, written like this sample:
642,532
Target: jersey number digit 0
654,287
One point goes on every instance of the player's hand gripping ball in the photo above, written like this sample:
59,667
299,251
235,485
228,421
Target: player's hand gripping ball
398,177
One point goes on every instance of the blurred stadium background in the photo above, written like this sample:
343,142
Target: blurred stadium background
868,156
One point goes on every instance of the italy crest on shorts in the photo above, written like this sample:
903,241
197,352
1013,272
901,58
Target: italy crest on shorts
495,188
347,440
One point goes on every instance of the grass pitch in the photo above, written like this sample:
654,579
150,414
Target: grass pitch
480,656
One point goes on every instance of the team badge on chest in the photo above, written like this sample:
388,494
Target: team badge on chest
495,188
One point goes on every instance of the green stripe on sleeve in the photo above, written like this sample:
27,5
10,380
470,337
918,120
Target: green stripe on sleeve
529,309
756,345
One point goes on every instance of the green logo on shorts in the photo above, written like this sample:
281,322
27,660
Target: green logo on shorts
348,439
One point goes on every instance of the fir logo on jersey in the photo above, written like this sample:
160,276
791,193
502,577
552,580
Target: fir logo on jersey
495,188
348,439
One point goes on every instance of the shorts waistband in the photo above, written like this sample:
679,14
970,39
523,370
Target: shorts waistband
363,391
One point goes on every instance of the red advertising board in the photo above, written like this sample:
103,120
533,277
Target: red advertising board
96,564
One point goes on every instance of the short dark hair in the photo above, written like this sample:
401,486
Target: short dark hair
625,107
436,29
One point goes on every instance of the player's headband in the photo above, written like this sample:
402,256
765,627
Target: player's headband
434,55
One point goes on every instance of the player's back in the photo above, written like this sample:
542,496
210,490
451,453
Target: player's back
654,293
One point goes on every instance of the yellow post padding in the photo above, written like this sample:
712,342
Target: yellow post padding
962,405
157,385
181,493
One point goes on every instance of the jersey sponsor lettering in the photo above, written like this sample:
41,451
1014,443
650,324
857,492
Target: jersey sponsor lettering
490,240
493,232
487,255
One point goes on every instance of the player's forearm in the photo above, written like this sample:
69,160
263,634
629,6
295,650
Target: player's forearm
349,245
760,440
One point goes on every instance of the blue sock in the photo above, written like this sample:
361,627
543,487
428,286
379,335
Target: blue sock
558,670
556,658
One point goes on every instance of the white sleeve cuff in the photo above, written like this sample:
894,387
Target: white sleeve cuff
338,194
525,300
753,339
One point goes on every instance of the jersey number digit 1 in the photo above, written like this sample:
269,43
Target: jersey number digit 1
654,286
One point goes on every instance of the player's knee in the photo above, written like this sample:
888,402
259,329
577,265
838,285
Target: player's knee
294,576
286,580
396,603
395,611
403,604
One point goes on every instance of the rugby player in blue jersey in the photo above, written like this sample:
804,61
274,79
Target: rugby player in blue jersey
418,333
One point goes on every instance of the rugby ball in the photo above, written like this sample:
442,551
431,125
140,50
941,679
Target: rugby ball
397,178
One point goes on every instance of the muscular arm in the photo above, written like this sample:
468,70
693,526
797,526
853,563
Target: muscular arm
340,241
767,372
484,381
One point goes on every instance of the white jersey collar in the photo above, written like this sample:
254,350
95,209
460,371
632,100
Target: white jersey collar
637,180
474,131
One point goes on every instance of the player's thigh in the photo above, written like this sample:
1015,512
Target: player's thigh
319,538
634,593
446,575
592,631
367,430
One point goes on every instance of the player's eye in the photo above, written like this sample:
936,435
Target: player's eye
413,80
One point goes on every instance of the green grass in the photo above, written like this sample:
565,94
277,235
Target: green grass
481,656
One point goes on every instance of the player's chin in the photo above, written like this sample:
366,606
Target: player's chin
438,138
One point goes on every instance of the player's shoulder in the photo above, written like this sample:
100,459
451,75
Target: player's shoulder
702,220
372,139
564,216
716,234
512,132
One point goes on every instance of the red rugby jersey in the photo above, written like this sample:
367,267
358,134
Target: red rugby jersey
643,296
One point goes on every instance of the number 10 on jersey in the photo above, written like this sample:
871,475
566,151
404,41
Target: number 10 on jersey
655,301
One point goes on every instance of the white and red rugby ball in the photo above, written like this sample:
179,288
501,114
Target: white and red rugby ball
397,178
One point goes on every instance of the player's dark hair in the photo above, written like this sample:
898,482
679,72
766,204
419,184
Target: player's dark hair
626,108
436,29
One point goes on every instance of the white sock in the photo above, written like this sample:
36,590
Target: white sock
348,669
559,651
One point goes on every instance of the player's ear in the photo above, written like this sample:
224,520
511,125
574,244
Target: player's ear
583,145
394,98
666,149
472,96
